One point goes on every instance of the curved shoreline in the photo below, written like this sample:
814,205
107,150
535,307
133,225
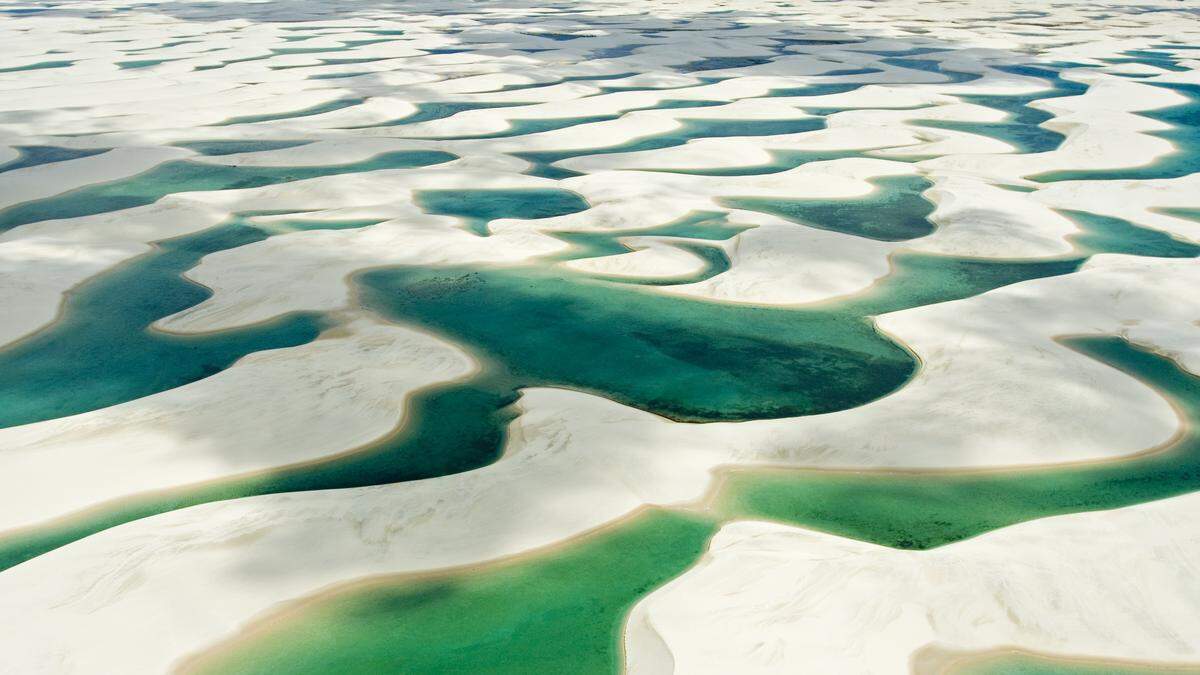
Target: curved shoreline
705,508
937,662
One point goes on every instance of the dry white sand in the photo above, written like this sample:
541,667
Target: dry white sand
769,598
270,409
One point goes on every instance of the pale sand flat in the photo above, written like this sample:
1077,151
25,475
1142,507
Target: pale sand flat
649,258
342,391
769,598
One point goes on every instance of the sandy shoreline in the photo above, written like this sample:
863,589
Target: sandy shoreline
935,662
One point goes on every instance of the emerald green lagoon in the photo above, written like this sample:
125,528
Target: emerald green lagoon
101,350
187,176
550,613
547,610
686,359
533,325
492,618
479,207
894,211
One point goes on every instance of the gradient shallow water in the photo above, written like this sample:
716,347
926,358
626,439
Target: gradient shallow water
540,320
36,155
559,613
564,607
894,211
925,510
1184,134
187,176
101,350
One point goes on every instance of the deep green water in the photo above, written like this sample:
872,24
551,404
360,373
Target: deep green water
925,510
479,207
329,106
894,211
563,611
532,324
559,613
100,351
686,359
186,176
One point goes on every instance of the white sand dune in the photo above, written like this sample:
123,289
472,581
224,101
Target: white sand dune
270,409
649,257
576,461
41,261
46,180
769,598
